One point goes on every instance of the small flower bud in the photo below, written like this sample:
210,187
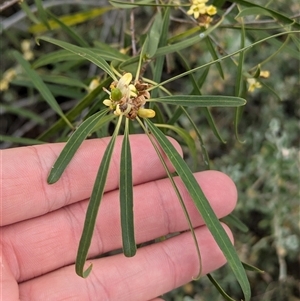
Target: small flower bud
146,113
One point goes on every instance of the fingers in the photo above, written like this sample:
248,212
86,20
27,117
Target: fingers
155,269
46,243
26,194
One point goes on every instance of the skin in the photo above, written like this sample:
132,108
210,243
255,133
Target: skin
41,226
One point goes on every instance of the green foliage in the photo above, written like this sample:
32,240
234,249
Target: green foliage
194,73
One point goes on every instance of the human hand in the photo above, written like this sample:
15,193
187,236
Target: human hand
41,226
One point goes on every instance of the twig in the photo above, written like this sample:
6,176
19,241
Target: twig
7,4
132,31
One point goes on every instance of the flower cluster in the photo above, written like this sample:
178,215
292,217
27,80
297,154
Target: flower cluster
202,12
128,99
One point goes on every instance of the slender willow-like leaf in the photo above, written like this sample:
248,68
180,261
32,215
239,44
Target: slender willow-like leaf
233,221
20,140
219,288
252,268
42,13
201,100
159,62
280,17
70,32
154,36
85,53
203,207
125,4
239,82
126,197
214,55
178,194
41,87
28,12
93,207
72,146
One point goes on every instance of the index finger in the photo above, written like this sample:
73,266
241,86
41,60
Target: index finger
26,194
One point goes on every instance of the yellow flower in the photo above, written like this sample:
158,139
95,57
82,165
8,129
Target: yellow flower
264,74
211,10
128,99
8,76
253,84
197,9
27,53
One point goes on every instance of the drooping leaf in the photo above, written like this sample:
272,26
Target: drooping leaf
72,146
126,197
219,288
93,207
204,208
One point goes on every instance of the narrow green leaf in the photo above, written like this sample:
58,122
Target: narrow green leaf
93,207
40,86
204,208
63,80
159,62
70,32
126,197
177,192
20,140
55,57
276,15
28,12
239,82
201,100
42,13
154,36
214,55
219,288
84,53
234,221
252,268
126,5
72,146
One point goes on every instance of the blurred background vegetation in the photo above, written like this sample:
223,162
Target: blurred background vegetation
263,162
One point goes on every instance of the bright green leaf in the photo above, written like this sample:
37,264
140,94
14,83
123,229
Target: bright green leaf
72,146
93,207
201,100
126,197
203,207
